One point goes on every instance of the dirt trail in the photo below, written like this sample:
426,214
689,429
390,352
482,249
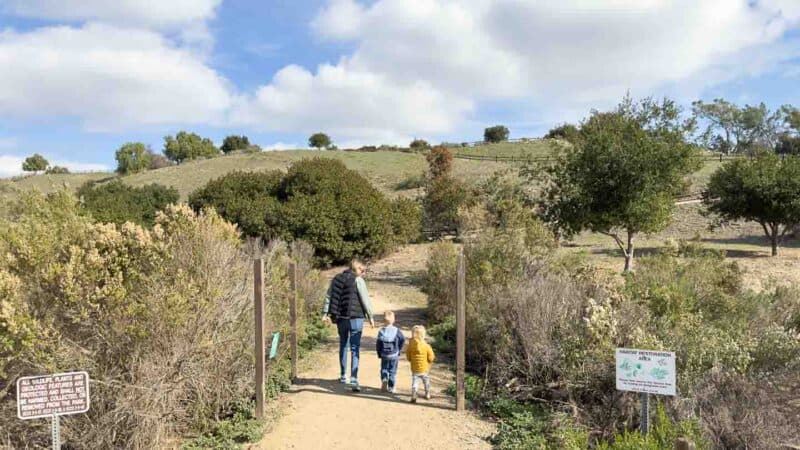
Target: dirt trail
321,413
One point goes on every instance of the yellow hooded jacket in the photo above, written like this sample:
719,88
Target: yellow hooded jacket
420,355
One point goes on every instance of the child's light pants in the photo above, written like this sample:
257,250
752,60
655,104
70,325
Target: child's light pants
426,380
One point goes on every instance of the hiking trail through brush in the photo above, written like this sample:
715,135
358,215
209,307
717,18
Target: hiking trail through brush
318,412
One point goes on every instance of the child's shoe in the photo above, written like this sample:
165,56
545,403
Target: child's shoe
427,395
414,397
384,385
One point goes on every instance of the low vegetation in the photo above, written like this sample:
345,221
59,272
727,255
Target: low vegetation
118,203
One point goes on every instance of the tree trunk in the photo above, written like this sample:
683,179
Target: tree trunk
629,254
775,238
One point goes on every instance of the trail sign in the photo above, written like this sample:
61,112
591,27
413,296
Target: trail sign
52,395
646,371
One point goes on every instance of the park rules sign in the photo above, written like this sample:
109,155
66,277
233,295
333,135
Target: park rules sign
646,371
52,395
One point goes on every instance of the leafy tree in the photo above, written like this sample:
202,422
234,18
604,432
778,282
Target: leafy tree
319,140
133,157
741,128
249,199
764,189
233,143
419,145
188,146
497,133
35,163
622,175
566,132
117,202
57,170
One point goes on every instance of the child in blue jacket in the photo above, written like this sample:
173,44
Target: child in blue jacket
388,345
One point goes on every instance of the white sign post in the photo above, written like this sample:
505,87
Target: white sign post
647,372
53,396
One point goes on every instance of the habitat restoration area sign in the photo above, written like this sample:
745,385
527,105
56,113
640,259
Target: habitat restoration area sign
52,395
646,371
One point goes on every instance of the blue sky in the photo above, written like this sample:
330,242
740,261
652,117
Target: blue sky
81,78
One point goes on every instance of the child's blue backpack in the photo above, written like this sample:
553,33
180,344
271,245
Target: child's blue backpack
387,337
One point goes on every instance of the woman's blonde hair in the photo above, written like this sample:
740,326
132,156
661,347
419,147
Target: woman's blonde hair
418,331
355,262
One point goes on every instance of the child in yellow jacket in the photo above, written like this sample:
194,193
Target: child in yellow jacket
420,355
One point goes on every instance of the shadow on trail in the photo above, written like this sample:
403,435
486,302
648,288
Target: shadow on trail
334,387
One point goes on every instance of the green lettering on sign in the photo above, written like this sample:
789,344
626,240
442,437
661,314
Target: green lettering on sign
273,350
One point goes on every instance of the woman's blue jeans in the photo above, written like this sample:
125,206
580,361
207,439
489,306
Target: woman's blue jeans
349,335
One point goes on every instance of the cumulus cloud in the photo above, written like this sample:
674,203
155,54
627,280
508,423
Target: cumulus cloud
422,66
349,104
11,165
108,77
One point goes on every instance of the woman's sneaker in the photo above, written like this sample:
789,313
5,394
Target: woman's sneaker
343,380
356,387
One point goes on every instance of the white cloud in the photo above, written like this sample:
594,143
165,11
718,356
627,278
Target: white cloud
11,165
108,77
280,146
349,104
420,67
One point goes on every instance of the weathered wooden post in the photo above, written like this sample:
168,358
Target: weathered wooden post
258,300
293,318
461,316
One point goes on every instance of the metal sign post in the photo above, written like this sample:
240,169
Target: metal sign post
56,432
645,421
646,372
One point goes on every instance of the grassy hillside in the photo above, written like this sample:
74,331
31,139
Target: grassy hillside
385,169
508,149
48,183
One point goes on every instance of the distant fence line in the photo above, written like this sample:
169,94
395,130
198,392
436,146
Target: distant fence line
531,159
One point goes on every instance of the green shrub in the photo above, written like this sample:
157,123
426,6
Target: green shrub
234,143
406,220
444,196
248,199
444,335
336,210
440,280
117,202
523,430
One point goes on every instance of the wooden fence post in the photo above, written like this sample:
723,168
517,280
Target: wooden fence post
461,316
293,318
259,353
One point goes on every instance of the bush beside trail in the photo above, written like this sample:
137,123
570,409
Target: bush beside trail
318,200
542,329
161,319
117,202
